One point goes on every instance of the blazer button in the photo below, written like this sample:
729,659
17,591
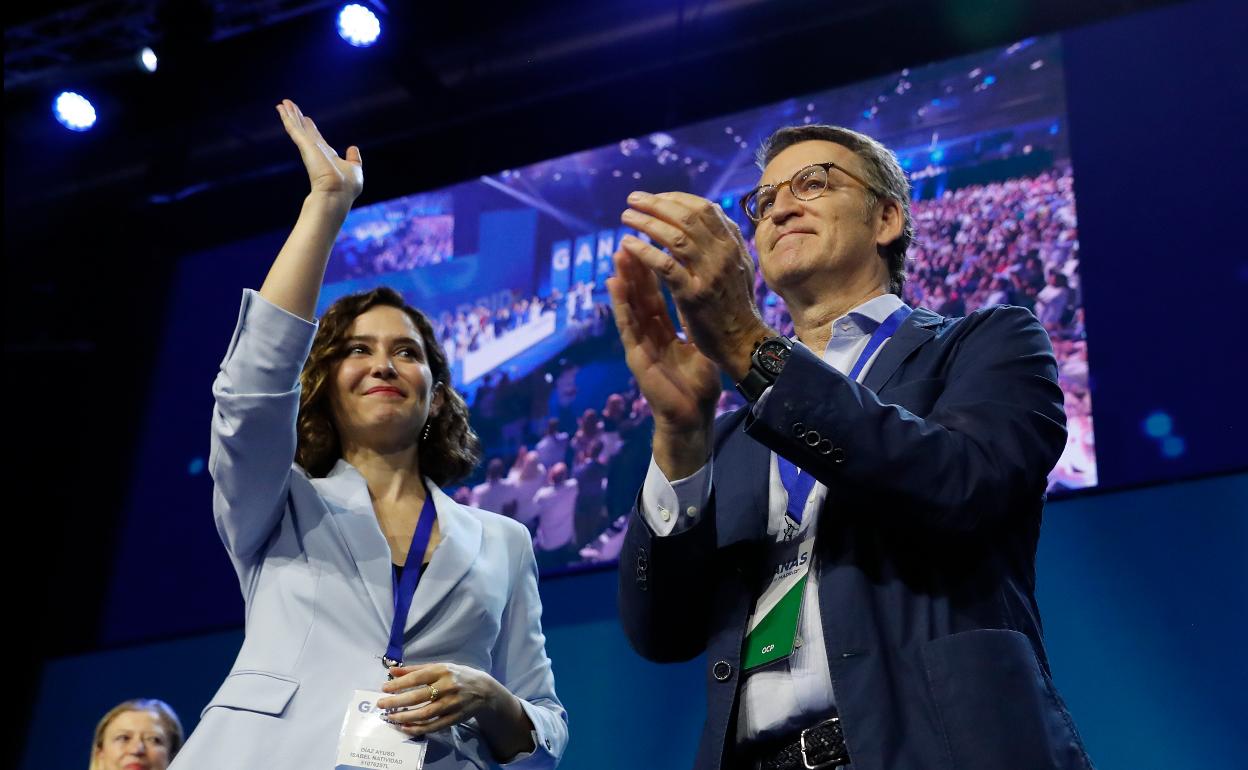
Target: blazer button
838,454
813,438
825,447
799,429
722,671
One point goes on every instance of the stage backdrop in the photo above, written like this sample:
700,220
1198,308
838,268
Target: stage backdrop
1142,589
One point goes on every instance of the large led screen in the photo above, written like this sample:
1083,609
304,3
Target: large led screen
511,268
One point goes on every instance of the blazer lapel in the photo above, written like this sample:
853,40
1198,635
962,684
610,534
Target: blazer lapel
346,492
918,328
460,547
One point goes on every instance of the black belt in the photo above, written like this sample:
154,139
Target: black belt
821,746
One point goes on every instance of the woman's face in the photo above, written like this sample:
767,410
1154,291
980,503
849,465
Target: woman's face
382,387
134,740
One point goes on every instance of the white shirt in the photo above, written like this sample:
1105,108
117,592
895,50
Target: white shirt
492,495
552,448
523,490
555,505
798,692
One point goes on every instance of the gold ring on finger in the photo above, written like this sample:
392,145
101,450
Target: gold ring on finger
433,693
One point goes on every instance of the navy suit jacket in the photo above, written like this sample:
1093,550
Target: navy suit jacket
936,470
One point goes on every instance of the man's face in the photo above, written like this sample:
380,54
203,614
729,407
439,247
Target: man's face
814,244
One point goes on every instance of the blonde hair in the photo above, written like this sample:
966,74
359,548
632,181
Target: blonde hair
164,713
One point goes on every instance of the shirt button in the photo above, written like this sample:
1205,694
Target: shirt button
664,515
692,510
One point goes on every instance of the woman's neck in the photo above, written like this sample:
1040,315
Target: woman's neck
391,475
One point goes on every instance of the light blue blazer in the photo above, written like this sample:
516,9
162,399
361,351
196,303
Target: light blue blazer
315,572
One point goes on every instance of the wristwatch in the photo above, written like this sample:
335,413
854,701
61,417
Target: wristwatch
766,363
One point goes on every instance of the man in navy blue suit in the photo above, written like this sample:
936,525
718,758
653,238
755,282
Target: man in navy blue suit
854,550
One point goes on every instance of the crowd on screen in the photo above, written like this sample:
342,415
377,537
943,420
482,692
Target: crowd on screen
391,245
487,319
571,485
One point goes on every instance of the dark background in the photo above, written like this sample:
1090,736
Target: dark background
191,158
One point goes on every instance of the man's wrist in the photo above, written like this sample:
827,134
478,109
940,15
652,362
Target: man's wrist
740,356
767,356
679,453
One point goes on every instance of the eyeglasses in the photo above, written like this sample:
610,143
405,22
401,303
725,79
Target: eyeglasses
806,185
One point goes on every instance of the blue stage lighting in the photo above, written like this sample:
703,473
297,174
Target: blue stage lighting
936,155
358,25
73,111
196,466
147,59
1158,425
1173,446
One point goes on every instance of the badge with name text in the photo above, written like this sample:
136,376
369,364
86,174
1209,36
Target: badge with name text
368,742
772,632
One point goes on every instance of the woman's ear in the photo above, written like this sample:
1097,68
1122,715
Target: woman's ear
436,397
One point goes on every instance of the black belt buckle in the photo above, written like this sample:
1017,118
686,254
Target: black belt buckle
831,754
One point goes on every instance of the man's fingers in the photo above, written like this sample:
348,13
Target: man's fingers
663,264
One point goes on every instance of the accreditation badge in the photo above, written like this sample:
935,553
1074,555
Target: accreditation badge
367,742
772,633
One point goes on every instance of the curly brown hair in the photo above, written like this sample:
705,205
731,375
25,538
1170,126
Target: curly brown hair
452,448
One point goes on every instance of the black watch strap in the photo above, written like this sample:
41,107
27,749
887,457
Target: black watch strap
753,384
766,363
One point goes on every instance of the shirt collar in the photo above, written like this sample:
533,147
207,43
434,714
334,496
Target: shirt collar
867,317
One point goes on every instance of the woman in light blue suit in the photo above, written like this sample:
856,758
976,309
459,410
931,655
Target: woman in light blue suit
322,473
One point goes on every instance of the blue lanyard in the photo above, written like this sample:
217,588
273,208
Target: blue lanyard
405,589
798,484
882,332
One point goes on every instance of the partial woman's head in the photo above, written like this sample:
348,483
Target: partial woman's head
377,377
886,182
143,733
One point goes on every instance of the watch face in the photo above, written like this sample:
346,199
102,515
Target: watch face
772,356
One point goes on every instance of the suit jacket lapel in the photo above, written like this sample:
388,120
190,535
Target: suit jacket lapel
460,547
346,493
918,328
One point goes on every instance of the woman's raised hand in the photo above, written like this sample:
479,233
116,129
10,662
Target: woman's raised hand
328,173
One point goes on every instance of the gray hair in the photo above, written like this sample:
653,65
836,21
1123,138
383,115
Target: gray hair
882,171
